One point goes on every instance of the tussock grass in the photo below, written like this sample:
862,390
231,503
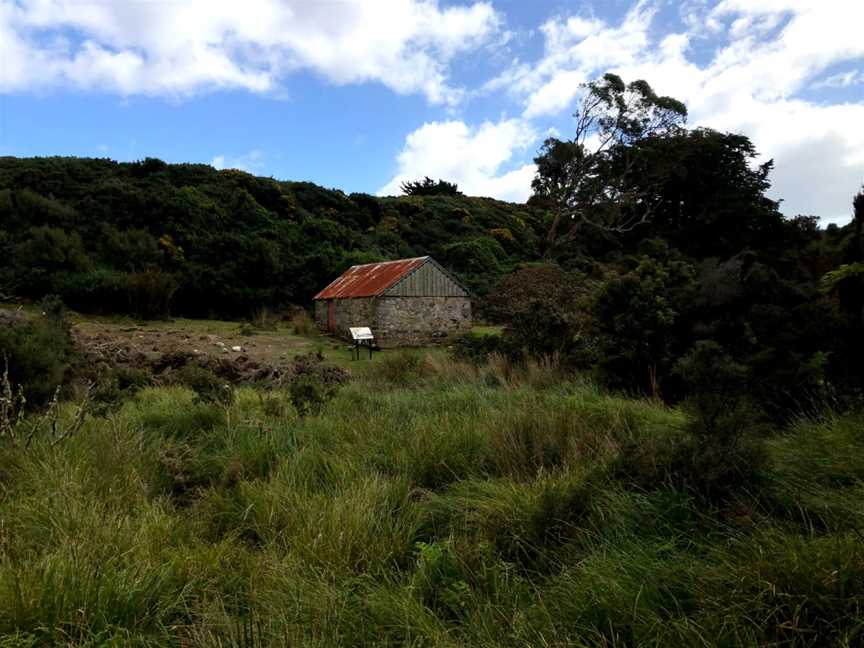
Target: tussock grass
431,502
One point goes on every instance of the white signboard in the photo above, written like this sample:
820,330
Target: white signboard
361,333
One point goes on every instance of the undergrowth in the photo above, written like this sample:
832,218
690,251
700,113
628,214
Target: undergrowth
428,502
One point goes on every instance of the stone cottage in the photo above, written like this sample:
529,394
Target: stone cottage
409,302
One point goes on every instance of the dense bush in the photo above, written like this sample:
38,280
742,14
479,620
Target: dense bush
543,307
309,395
233,242
639,322
208,387
39,351
151,292
477,347
98,291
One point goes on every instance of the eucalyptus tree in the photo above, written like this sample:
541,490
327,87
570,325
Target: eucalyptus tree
589,179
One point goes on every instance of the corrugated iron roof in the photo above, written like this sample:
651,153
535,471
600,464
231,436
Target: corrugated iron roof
370,279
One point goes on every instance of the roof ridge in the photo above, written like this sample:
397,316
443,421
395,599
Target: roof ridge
363,265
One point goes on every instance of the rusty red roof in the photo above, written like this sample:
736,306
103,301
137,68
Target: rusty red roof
370,279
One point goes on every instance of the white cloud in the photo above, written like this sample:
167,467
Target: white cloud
574,49
841,80
473,158
251,162
767,53
179,48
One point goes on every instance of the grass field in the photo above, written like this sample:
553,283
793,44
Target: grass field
431,503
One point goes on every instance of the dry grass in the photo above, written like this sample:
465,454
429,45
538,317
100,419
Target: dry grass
302,324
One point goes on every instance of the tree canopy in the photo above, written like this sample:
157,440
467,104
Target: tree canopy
90,230
429,187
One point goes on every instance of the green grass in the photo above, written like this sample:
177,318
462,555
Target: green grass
430,503
488,330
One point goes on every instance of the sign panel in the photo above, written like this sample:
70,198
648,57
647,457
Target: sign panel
361,333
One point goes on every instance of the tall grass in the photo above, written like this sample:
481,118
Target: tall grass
431,502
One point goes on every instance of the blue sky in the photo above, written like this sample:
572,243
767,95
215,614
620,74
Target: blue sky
363,95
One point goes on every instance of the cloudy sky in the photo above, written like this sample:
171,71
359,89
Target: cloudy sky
362,95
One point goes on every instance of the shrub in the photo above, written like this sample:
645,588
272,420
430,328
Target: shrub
717,386
477,347
399,368
312,365
116,384
309,395
151,292
724,452
97,291
264,319
541,306
302,323
208,387
39,352
637,322
429,187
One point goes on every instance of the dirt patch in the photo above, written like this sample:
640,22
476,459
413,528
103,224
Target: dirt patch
269,358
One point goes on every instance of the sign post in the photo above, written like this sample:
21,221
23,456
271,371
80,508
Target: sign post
362,336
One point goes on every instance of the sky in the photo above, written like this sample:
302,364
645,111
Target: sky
363,95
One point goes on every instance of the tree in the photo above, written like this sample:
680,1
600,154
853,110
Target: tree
429,187
857,251
542,307
640,322
588,179
707,194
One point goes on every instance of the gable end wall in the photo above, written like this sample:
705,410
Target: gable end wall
429,280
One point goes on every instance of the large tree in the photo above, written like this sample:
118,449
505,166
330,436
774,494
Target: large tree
588,179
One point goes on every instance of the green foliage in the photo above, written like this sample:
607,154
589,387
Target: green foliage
542,306
39,351
637,316
208,387
717,385
591,179
309,395
477,348
404,367
847,284
151,292
438,580
235,243
476,261
115,385
428,187
429,513
45,252
725,454
98,291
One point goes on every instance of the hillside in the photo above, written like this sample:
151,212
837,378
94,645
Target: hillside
230,242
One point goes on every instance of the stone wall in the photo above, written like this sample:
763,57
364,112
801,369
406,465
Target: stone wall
359,311
399,321
418,321
346,313
321,314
